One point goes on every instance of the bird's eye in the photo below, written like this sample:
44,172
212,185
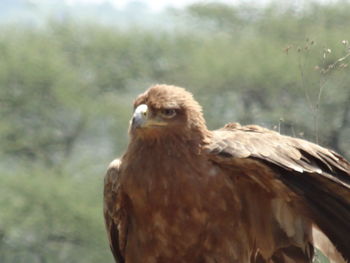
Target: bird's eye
168,113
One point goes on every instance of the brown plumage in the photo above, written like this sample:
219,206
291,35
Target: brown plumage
182,193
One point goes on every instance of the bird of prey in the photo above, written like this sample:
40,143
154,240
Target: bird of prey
239,194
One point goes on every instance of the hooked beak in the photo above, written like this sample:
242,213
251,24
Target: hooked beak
139,118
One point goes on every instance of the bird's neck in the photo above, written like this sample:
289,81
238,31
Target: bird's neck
166,146
166,152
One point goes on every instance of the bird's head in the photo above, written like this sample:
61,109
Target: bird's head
165,110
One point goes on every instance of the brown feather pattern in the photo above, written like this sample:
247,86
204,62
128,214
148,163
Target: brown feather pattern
182,193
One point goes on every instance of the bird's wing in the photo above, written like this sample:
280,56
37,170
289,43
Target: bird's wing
320,177
115,217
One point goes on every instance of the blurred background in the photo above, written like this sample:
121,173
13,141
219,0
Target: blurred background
69,71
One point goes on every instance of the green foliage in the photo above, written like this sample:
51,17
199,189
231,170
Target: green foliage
66,92
276,69
46,217
320,258
39,114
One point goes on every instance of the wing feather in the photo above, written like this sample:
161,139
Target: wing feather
319,176
115,218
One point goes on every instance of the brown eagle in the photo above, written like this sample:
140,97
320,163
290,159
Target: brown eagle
183,193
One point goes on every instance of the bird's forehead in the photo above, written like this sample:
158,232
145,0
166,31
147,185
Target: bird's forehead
158,101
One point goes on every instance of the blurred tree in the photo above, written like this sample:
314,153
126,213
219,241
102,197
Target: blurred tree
273,67
48,218
40,115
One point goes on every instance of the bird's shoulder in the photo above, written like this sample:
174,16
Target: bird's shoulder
113,171
235,126
111,188
236,141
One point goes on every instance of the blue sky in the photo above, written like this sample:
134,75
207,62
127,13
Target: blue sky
156,4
